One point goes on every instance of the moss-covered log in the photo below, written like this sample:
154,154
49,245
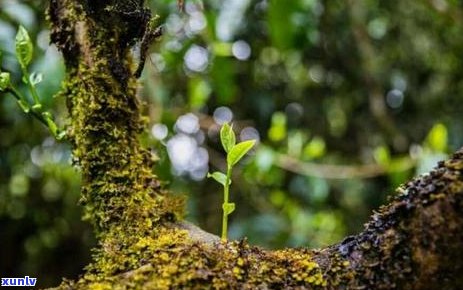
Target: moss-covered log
415,242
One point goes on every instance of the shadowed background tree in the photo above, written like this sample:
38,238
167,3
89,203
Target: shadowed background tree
370,87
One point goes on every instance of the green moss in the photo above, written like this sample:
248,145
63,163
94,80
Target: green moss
169,260
118,184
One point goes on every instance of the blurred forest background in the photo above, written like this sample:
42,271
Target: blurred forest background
348,99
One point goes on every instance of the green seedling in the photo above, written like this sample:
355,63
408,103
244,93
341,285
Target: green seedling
24,53
235,152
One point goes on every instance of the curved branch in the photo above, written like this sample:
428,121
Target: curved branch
412,243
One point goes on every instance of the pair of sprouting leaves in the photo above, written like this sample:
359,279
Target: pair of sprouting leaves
24,54
235,152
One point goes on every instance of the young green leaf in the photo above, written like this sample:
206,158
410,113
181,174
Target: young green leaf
24,48
219,177
227,136
228,208
4,81
238,151
35,78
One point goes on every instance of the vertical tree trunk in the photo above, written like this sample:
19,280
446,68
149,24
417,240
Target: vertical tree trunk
413,243
118,185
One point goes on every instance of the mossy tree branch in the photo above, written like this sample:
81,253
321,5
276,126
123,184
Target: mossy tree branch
415,242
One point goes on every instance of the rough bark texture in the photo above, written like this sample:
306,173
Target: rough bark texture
415,242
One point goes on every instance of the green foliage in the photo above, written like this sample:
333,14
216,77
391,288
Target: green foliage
39,188
235,152
24,53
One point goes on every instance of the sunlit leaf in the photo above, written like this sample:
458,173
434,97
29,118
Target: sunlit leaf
227,137
238,151
24,48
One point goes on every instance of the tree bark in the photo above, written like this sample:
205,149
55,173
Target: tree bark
415,242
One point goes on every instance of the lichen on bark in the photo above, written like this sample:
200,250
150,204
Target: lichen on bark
412,243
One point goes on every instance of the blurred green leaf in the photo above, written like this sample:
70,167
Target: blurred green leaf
277,131
222,48
279,14
437,138
24,48
382,155
19,185
277,197
315,149
198,92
